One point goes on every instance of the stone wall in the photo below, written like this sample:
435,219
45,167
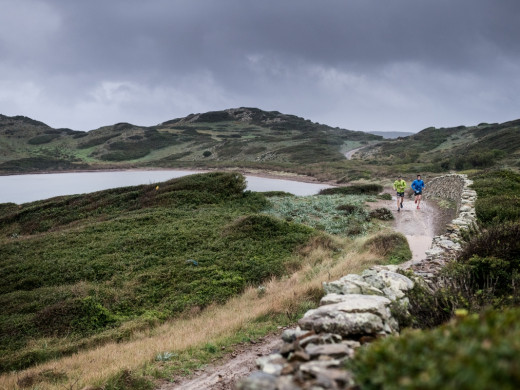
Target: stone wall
446,187
357,309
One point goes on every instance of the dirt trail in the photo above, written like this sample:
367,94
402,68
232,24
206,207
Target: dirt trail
350,153
235,366
419,226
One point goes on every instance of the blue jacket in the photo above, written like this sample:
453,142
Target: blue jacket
417,185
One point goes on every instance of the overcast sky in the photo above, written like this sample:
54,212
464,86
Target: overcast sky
399,65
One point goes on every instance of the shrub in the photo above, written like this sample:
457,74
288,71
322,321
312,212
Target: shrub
348,208
77,316
356,189
324,212
492,257
475,352
384,196
282,194
207,153
497,209
392,246
382,213
502,241
43,139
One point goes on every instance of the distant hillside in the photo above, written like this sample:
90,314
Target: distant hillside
236,136
391,134
454,148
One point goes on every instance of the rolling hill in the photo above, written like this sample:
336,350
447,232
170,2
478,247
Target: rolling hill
454,148
242,135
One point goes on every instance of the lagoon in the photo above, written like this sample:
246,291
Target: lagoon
29,188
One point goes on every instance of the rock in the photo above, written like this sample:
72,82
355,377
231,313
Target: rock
360,315
333,350
258,380
299,356
392,284
289,335
316,367
271,364
287,383
350,284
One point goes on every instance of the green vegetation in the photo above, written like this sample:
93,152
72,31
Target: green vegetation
444,149
392,246
245,137
78,271
498,196
475,352
334,214
354,189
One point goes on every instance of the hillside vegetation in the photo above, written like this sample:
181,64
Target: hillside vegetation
250,138
79,271
246,136
76,270
455,148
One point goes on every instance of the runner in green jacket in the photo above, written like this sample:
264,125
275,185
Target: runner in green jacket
399,186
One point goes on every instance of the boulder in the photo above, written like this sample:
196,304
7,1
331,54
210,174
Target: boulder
359,315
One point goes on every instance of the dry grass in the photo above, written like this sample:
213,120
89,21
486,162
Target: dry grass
93,367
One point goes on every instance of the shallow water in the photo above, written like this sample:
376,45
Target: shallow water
28,188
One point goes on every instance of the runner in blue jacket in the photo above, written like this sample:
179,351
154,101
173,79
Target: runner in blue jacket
417,187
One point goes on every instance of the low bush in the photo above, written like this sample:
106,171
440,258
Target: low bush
281,194
498,208
335,214
498,198
474,352
392,246
384,196
355,189
492,257
43,139
382,213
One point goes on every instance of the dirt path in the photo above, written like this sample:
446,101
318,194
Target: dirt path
235,366
419,226
350,153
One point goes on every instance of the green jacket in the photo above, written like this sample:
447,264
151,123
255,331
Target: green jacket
400,185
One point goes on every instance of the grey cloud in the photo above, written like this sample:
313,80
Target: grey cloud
298,56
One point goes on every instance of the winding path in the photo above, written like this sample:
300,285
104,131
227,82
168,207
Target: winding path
350,153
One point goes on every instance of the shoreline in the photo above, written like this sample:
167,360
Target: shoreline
262,173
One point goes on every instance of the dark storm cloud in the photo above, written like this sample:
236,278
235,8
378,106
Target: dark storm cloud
412,62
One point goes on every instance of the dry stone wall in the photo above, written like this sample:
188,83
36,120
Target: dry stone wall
357,309
446,187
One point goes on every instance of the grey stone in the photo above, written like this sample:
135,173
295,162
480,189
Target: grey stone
350,284
333,350
289,335
317,366
287,383
271,364
360,315
392,284
258,380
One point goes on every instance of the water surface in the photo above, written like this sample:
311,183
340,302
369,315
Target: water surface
28,188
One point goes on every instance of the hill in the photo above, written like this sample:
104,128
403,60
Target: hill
391,134
247,136
458,148
78,271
